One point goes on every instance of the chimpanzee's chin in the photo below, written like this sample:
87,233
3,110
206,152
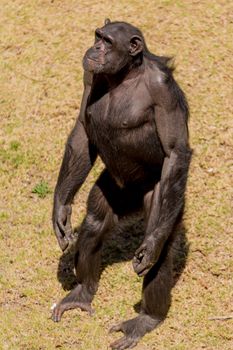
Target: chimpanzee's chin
92,66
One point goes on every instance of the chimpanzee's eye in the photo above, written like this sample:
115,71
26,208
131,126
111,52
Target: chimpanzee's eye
108,41
97,36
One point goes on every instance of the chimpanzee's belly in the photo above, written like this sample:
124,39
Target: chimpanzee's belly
129,147
132,155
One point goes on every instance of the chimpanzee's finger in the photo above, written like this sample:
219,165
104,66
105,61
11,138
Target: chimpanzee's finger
62,241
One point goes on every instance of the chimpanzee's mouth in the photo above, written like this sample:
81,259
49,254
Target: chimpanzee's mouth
91,59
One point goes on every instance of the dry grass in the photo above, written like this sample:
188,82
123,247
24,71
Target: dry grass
41,45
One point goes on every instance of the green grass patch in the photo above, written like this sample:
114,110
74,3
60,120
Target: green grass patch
41,189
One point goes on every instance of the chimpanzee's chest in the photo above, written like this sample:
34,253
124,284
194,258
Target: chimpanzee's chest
121,124
119,113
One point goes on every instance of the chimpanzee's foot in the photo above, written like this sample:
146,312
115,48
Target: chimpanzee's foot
75,299
133,330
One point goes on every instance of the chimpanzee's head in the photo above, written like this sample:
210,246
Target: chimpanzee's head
117,45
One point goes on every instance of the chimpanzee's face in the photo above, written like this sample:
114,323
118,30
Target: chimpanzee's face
110,52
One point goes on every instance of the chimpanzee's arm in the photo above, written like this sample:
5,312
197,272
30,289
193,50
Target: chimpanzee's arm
171,113
78,160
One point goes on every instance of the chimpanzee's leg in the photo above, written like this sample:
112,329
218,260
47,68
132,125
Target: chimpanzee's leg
98,221
156,295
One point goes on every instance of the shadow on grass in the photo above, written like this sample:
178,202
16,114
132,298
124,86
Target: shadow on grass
120,245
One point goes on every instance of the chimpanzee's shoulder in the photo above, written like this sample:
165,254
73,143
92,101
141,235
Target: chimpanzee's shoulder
155,77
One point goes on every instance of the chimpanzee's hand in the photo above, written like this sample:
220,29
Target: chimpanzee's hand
146,256
62,224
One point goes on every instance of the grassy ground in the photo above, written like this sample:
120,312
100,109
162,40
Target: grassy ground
41,44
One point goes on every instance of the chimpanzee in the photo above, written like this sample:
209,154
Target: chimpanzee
134,116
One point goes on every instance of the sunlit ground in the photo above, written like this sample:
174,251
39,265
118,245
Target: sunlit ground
41,49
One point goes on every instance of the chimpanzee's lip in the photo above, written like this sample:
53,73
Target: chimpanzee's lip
91,59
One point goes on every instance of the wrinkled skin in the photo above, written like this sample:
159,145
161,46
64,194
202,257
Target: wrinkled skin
146,256
134,116
62,224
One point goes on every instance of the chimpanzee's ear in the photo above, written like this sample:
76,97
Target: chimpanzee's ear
107,21
136,45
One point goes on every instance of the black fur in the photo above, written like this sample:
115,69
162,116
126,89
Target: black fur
134,116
